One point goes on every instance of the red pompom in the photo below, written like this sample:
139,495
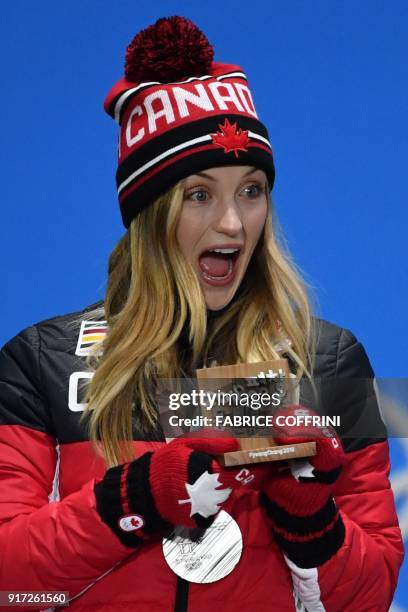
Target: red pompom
169,50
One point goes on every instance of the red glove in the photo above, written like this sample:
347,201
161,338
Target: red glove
212,442
179,484
298,495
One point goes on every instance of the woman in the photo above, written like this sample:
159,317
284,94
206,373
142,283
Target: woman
198,277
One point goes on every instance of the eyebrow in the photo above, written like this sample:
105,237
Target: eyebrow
214,179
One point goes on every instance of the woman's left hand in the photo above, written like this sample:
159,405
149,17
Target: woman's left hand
298,495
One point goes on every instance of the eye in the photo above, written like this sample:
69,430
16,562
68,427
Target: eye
254,190
197,192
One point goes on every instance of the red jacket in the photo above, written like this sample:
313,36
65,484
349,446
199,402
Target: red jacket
63,545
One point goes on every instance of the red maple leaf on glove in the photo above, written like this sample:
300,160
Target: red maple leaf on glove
231,138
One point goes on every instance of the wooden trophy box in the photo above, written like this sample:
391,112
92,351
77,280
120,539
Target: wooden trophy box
275,374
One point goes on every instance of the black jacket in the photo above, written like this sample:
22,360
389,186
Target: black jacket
65,546
49,356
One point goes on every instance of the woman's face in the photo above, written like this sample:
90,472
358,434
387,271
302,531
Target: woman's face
222,218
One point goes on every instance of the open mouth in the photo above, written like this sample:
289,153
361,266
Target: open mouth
218,265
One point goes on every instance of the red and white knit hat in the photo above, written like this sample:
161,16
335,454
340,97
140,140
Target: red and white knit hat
179,113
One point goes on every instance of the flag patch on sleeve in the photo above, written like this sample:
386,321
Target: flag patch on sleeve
90,332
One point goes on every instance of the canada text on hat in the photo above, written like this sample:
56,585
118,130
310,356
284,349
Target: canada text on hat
179,113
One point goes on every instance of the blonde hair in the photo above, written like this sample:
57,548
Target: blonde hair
152,295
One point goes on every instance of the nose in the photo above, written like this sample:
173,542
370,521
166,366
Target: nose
228,218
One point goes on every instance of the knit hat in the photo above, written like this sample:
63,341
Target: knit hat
179,113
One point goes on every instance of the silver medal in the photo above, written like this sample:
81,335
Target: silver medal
208,557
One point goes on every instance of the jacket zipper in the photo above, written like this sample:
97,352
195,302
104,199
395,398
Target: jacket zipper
182,588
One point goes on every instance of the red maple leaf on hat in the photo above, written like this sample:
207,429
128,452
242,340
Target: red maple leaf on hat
231,138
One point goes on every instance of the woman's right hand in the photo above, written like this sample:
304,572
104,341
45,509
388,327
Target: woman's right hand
179,484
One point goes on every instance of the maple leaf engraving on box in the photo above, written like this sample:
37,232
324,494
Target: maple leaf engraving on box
231,138
204,496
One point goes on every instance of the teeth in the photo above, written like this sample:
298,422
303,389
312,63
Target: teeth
223,250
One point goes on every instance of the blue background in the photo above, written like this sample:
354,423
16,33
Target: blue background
329,80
